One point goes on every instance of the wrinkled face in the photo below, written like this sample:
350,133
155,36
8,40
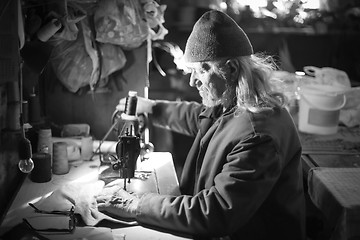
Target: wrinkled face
209,84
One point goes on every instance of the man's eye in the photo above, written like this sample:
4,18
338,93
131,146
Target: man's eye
205,67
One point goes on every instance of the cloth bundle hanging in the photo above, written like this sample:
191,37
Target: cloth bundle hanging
154,15
120,22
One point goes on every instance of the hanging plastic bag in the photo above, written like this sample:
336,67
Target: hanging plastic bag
120,22
72,64
76,63
113,59
92,50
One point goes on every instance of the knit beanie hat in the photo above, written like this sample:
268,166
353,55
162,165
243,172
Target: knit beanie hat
216,35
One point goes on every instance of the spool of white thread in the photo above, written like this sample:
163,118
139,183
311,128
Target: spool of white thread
34,108
45,143
86,148
60,159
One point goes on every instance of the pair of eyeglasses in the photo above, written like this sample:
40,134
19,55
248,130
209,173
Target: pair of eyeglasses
70,213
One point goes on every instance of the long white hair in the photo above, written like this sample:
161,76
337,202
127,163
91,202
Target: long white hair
251,89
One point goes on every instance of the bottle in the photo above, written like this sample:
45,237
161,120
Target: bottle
48,30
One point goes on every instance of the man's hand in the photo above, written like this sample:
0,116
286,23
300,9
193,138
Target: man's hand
143,105
117,202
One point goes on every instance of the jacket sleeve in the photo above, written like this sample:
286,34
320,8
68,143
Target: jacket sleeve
249,172
181,117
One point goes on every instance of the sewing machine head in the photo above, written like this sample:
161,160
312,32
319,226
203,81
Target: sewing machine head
127,151
123,164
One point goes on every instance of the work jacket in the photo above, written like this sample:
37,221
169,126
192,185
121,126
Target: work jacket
242,178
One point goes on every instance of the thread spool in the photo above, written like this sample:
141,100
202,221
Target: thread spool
48,30
86,148
60,160
131,103
129,113
13,93
34,109
25,113
42,168
45,143
13,116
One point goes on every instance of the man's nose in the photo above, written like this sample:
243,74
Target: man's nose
194,81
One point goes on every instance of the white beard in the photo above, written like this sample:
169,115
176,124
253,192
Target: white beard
209,100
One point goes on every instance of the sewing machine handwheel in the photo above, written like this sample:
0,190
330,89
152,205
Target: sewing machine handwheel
116,166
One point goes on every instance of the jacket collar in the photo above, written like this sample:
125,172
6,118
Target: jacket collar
211,112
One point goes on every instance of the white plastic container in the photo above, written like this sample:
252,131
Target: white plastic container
319,109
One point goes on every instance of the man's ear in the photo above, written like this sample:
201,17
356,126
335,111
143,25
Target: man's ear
234,68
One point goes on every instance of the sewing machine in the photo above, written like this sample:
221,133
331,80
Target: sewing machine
130,148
